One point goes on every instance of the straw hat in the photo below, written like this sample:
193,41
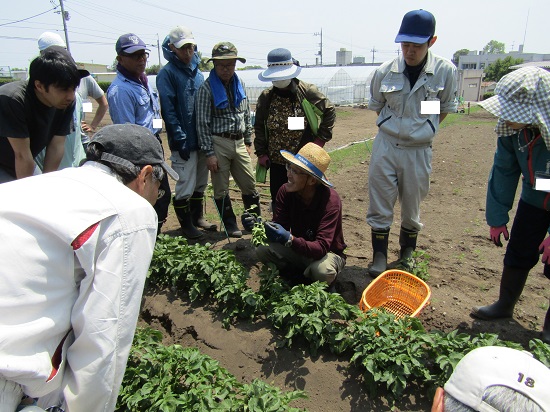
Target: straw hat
312,159
523,96
280,66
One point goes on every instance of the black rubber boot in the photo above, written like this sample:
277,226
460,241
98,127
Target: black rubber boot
511,285
197,213
546,329
379,251
228,217
252,204
183,212
407,242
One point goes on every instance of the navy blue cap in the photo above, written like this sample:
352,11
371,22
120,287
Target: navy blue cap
417,27
129,43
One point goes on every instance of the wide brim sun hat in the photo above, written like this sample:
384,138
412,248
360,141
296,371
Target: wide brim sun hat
280,66
523,96
312,159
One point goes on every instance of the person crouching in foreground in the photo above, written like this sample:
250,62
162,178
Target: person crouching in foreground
73,270
305,236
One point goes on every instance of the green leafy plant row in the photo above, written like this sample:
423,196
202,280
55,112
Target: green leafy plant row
391,353
173,378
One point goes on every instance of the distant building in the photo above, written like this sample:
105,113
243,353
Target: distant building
479,60
343,57
92,67
359,60
469,84
471,66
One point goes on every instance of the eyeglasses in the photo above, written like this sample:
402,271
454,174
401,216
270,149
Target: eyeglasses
293,171
227,67
139,56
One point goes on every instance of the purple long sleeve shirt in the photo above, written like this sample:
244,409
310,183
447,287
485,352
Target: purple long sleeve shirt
317,228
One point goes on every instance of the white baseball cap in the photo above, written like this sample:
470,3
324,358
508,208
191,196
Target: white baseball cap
181,35
48,39
499,366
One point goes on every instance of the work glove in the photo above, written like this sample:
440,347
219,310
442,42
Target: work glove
496,231
264,161
319,142
544,249
184,153
276,233
249,220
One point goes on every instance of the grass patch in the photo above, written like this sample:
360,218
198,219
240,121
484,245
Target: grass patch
342,113
349,156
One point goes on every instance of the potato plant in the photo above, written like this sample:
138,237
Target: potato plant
391,354
173,378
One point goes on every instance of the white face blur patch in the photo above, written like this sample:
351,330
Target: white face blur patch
430,107
281,84
87,107
296,123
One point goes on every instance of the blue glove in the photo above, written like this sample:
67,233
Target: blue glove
276,233
249,220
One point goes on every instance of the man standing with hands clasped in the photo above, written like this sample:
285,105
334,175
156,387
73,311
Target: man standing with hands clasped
177,83
225,134
411,94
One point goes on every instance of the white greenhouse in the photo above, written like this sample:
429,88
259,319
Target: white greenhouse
343,85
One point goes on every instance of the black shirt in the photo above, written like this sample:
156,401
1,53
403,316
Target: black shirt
22,115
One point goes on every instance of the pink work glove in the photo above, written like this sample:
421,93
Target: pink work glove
319,142
496,231
544,248
264,161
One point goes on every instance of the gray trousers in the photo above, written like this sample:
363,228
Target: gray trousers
397,171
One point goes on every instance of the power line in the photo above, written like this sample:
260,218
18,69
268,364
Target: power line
28,18
215,21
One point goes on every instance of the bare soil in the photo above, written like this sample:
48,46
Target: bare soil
464,269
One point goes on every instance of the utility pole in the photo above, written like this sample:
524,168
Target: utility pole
65,16
158,48
373,50
320,53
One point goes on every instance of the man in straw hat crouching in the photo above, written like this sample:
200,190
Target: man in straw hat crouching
305,236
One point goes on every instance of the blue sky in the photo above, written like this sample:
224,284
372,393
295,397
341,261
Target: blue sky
256,27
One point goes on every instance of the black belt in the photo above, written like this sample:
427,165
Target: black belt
232,136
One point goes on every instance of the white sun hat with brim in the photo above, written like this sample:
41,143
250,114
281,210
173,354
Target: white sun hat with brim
522,96
280,66
498,366
312,159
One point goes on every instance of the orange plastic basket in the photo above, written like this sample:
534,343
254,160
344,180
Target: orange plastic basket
397,291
